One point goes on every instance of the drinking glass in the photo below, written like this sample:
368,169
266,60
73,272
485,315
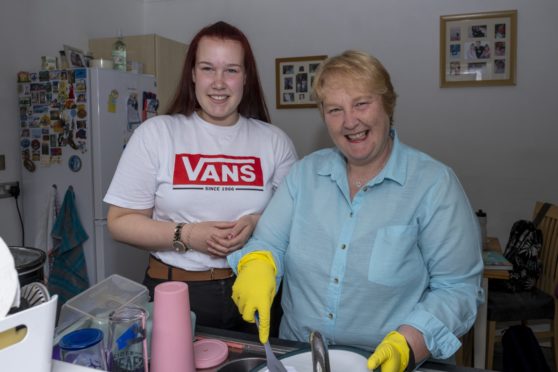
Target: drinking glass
84,347
127,341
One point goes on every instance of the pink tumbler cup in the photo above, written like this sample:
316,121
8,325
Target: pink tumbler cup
172,348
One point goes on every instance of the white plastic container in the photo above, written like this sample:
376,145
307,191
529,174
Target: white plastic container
91,308
34,351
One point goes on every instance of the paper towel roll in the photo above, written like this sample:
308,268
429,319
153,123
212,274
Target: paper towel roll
9,280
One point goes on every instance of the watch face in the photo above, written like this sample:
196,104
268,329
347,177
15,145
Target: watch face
179,246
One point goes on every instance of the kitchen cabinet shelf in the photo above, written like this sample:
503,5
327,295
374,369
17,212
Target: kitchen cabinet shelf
161,57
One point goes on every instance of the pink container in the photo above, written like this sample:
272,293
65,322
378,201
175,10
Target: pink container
172,348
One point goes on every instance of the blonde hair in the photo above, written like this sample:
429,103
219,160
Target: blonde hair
357,67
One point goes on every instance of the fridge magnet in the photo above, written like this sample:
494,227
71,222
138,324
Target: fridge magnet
80,73
23,114
35,133
113,96
55,155
74,163
72,76
81,134
71,92
133,112
71,141
81,113
54,115
25,90
25,143
57,126
44,76
54,75
150,105
81,86
62,140
28,163
45,154
23,77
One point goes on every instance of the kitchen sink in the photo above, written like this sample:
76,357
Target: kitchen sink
246,353
245,364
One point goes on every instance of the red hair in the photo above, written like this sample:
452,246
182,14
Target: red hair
252,104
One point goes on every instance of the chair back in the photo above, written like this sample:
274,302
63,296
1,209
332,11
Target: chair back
549,251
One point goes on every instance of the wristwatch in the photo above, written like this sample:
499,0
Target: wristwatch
177,243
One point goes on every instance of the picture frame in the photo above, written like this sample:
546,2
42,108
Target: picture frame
478,49
74,56
293,81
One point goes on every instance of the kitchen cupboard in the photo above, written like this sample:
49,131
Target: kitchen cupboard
160,56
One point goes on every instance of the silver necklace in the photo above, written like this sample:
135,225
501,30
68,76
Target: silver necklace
359,183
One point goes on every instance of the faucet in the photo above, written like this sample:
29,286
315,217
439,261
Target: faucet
320,356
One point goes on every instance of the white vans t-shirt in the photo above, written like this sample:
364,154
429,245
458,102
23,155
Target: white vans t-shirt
189,170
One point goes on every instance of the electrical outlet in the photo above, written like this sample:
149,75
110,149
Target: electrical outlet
5,189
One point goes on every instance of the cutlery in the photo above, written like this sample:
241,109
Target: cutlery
273,364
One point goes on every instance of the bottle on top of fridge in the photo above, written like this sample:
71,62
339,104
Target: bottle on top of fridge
119,53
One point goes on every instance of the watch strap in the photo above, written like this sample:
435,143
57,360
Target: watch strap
178,232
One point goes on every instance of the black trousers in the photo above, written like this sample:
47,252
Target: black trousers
211,301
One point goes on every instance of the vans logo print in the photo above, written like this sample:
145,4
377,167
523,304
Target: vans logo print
217,172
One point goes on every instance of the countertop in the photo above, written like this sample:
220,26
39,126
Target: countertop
246,345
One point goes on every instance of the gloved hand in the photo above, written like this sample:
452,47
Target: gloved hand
254,289
392,354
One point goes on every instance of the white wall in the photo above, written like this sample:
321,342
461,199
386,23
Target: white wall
501,141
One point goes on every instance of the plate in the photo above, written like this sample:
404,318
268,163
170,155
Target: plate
341,359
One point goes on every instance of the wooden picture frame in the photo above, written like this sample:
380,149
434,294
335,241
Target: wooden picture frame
293,81
74,56
478,49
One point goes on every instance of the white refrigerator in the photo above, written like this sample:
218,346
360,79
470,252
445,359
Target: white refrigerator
74,125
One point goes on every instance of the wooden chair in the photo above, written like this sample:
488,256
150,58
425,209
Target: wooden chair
539,305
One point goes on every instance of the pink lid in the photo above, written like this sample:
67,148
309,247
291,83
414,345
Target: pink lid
210,353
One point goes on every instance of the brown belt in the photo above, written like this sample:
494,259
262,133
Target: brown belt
160,270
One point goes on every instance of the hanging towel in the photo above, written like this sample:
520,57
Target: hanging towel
68,276
45,221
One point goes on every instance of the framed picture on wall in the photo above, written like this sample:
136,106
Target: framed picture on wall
293,81
478,49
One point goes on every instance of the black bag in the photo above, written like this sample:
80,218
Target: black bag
523,251
521,351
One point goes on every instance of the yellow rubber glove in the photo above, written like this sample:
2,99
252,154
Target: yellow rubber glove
254,289
392,354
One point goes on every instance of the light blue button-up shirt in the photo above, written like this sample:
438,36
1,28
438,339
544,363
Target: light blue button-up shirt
405,250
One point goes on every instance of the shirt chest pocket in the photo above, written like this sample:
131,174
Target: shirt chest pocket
395,258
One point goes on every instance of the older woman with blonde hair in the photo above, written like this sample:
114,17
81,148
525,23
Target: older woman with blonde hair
376,242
